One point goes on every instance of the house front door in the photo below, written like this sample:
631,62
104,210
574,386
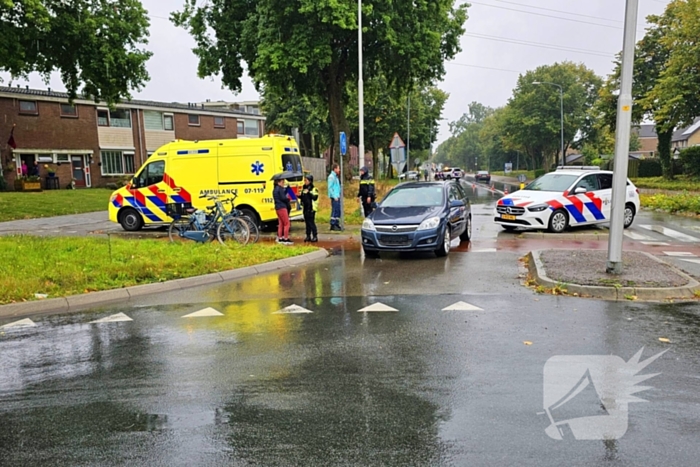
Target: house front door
78,170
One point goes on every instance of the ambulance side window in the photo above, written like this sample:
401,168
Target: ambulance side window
292,163
151,174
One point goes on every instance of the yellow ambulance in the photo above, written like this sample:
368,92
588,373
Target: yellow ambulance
184,171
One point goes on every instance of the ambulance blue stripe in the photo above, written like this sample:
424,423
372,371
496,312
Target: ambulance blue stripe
144,210
160,204
575,213
595,211
116,205
178,199
508,202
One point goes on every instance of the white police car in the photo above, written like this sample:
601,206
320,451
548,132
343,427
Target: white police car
570,196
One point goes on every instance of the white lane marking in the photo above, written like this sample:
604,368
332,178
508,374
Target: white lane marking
292,309
119,317
656,243
696,261
671,233
23,323
204,312
636,236
377,307
677,253
462,306
485,250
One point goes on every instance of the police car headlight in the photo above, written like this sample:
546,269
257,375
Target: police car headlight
538,207
428,224
368,225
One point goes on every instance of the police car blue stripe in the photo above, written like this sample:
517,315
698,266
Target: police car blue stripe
508,202
595,211
575,213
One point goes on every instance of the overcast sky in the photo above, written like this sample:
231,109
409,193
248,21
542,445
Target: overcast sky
502,39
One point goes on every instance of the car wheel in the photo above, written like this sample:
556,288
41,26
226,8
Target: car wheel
509,228
444,249
130,220
629,215
467,234
371,253
558,221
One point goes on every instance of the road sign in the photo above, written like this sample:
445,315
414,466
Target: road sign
343,143
522,178
508,167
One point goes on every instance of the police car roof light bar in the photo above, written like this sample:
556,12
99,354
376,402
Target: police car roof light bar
578,167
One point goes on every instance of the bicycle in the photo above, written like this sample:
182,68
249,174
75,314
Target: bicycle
252,226
201,226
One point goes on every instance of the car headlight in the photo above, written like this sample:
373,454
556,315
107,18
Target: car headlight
368,225
538,207
428,224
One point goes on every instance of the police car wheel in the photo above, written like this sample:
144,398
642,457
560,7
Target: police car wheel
629,215
558,221
130,220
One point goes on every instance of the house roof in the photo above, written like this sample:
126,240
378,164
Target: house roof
646,130
85,100
683,134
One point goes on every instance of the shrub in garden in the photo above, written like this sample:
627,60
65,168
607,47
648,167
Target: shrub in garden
649,168
690,159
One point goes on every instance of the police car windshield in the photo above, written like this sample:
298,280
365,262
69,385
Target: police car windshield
425,196
552,182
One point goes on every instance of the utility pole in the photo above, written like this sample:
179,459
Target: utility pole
622,141
360,86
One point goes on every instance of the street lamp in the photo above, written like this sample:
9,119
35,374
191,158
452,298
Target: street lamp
561,102
360,84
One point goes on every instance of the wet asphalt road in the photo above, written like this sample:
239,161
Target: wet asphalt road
420,386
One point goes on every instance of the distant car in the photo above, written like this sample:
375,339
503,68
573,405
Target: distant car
418,217
565,197
483,176
412,175
455,173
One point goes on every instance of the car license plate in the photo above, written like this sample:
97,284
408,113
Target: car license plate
507,217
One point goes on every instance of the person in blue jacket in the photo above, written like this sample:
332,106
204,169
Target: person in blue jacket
334,195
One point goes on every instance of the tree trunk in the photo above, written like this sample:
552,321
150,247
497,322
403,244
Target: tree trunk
375,162
334,87
664,149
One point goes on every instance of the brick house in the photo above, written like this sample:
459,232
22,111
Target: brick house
93,144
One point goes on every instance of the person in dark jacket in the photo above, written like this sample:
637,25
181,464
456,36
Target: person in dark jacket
366,194
282,207
309,200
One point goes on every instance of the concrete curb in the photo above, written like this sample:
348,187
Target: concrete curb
537,272
77,302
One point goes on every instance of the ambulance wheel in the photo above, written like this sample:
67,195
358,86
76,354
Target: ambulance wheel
629,215
250,214
130,220
558,221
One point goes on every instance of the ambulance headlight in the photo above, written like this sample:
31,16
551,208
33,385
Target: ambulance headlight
538,207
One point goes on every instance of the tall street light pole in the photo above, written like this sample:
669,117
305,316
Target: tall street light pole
622,141
561,123
360,86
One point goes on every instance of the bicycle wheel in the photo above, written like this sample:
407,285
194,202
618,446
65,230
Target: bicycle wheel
233,229
178,227
254,232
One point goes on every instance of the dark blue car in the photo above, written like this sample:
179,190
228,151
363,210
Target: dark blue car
417,216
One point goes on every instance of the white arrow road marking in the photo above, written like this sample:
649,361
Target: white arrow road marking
462,306
696,261
677,253
377,307
205,312
636,236
23,323
292,309
113,319
671,233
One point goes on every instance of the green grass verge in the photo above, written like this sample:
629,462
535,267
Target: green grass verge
680,183
351,207
20,205
682,203
67,266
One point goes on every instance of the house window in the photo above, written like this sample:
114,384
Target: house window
153,120
241,128
68,110
62,158
28,107
102,117
117,162
193,120
219,122
119,118
168,123
251,128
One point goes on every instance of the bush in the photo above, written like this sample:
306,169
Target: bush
649,168
539,172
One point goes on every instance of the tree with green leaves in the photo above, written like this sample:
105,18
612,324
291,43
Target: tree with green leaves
93,44
312,45
532,121
464,147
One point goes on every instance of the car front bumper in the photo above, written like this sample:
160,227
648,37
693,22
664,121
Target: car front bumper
418,240
527,220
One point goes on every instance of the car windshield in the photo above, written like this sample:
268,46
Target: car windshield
425,196
552,182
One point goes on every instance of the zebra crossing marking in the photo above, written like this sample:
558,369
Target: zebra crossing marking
676,235
677,254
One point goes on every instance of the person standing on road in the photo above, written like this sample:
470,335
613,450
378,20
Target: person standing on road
309,199
367,193
334,195
282,207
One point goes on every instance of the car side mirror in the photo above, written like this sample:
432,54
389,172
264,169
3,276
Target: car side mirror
580,190
457,203
135,183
